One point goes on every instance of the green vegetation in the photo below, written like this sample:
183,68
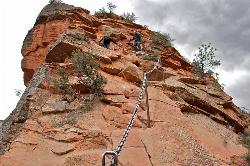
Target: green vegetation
63,82
129,17
216,83
98,82
247,139
103,13
108,12
161,39
63,86
86,68
84,63
111,7
18,92
205,62
248,158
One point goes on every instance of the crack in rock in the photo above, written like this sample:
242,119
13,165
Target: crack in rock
146,150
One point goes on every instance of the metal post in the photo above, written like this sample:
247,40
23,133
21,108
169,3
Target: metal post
147,104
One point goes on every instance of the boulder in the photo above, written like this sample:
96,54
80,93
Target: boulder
157,74
113,69
132,73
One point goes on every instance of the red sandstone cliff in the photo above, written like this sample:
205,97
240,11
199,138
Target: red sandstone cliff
193,122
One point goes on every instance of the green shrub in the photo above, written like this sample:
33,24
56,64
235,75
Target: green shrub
129,17
96,87
86,68
84,63
216,84
103,13
18,92
196,69
63,86
63,82
205,62
161,39
247,139
248,158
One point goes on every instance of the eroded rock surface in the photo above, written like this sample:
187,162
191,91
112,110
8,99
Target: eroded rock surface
193,122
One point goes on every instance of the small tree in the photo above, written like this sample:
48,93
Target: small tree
86,68
111,7
129,17
204,61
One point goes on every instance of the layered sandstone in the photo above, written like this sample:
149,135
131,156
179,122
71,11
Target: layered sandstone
193,121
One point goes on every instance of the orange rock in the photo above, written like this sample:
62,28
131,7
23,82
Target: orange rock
192,121
132,73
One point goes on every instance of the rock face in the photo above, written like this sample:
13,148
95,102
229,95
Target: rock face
193,122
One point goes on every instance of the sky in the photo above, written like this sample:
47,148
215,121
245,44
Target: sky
224,23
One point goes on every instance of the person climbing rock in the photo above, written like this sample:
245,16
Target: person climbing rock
106,41
137,41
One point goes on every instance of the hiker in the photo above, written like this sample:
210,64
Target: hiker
106,41
137,41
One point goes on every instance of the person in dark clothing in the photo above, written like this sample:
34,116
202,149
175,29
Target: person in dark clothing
137,41
106,41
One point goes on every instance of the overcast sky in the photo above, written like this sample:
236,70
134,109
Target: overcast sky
224,23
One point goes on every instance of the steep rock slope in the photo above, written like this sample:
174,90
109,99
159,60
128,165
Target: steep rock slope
193,121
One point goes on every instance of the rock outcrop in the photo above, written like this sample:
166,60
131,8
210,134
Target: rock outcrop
193,122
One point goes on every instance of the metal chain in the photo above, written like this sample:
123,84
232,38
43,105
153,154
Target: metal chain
121,144
131,121
144,83
125,135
